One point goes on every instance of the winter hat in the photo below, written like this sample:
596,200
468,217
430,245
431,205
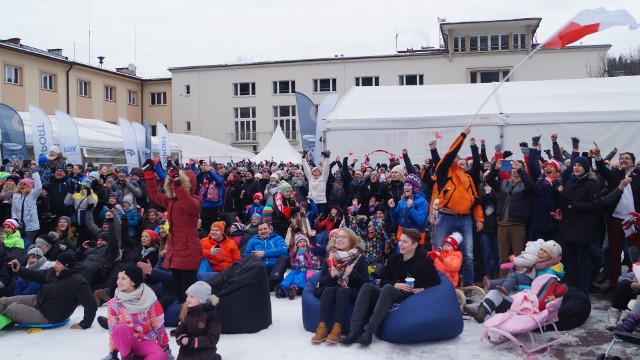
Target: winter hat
42,159
299,237
414,181
11,223
67,259
86,183
103,235
124,170
44,240
90,164
65,218
257,196
333,232
257,216
36,252
399,169
274,176
54,148
583,161
27,182
454,240
201,290
14,178
218,225
61,167
134,273
128,199
284,186
114,195
267,212
137,172
525,260
94,174
553,163
257,176
152,234
552,248
239,225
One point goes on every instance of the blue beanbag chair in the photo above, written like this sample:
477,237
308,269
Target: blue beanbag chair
172,314
311,308
431,315
43,326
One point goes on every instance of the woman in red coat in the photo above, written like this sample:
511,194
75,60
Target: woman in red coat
184,252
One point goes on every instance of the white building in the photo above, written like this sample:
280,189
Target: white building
240,104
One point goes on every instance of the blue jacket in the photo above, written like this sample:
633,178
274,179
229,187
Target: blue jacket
414,217
273,247
132,220
253,209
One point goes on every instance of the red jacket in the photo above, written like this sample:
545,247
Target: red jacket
183,211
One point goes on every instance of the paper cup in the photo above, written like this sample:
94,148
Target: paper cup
410,281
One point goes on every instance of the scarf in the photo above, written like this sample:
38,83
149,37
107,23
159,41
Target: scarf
137,301
342,259
147,250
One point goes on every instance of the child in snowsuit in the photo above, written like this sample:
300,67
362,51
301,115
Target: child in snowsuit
448,259
302,262
198,332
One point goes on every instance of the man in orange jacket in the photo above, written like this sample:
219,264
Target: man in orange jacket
219,249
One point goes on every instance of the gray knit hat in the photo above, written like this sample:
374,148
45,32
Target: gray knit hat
200,290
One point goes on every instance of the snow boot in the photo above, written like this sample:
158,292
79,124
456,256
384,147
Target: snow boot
478,313
365,339
291,295
352,337
103,322
336,332
629,323
112,355
321,333
613,315
279,292
294,292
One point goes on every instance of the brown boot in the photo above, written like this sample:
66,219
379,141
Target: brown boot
502,290
99,295
321,333
336,332
477,312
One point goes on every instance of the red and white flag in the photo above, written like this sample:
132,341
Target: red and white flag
588,22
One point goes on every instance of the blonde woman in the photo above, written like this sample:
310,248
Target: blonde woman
24,208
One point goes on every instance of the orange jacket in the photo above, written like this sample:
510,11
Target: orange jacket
449,263
228,254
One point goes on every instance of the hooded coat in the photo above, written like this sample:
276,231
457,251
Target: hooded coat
202,327
184,251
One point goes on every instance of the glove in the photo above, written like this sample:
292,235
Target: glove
326,153
304,153
173,173
535,141
90,207
524,148
148,165
498,148
506,154
575,142
548,152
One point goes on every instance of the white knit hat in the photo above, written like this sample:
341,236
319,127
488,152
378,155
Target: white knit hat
399,169
552,248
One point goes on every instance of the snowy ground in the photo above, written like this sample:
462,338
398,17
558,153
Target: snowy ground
286,339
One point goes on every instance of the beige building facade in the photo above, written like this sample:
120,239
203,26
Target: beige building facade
241,104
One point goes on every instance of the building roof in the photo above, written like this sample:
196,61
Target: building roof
507,24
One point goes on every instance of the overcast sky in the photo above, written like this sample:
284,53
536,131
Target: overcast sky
158,34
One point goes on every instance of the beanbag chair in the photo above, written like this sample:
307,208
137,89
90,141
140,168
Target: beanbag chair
245,301
575,309
172,314
43,326
205,276
311,308
433,314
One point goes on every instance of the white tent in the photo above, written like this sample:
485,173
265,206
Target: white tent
278,149
605,110
196,147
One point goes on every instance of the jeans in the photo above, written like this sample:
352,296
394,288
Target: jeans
374,303
447,224
490,254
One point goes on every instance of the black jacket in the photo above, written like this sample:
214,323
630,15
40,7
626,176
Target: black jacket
56,192
614,176
60,296
419,267
519,196
358,277
580,206
202,327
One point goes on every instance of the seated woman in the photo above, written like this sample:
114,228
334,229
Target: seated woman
373,303
136,319
219,249
343,274
67,234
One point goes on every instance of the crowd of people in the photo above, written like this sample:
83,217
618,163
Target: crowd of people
136,238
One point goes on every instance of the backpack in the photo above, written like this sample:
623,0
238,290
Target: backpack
209,191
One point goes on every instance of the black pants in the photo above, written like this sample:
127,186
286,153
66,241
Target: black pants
622,295
182,279
208,217
276,273
337,298
373,304
579,267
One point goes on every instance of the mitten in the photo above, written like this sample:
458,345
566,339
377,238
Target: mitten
524,148
548,152
535,141
575,142
326,153
506,154
304,153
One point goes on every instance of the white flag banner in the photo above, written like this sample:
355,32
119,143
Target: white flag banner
326,107
164,145
69,139
129,141
141,141
40,130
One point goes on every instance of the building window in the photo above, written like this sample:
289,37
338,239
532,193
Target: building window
368,81
285,117
109,93
411,80
187,90
187,126
284,87
12,75
158,98
488,76
245,123
132,97
324,85
499,42
479,43
244,89
519,41
47,81
84,88
460,44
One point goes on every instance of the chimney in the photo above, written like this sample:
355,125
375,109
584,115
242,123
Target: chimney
15,41
55,52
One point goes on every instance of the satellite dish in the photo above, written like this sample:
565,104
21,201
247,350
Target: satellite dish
131,67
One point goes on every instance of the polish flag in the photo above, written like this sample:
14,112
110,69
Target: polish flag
588,22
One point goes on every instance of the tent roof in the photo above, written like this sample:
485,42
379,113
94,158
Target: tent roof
412,107
278,149
196,147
